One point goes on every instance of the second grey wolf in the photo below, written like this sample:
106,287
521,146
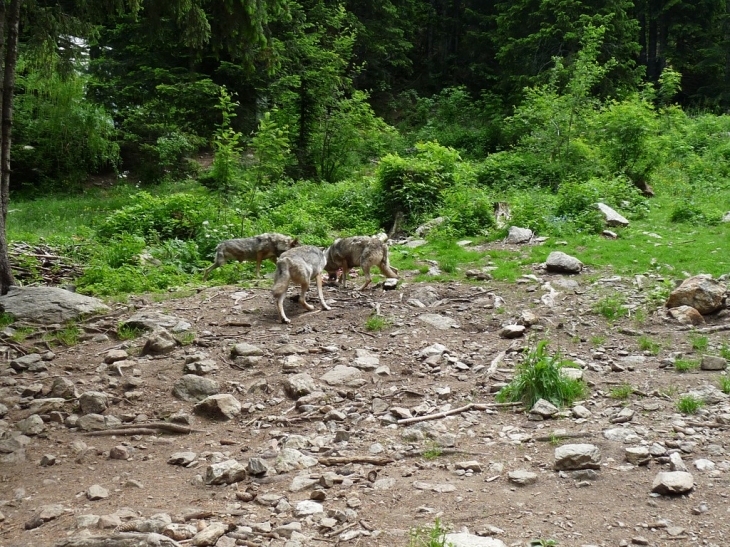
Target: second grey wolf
258,248
298,265
363,251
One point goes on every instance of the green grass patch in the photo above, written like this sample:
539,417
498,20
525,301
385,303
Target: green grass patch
598,340
686,365
637,252
69,335
377,323
622,392
725,351
21,333
430,536
688,404
539,377
6,319
126,331
186,338
432,452
647,344
611,307
724,384
698,341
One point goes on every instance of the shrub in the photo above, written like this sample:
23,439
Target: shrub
165,217
123,249
515,170
539,377
413,186
469,210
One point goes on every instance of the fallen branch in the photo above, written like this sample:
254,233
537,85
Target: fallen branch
145,429
465,408
712,425
344,460
131,431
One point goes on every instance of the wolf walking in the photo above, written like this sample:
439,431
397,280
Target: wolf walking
261,247
362,251
298,265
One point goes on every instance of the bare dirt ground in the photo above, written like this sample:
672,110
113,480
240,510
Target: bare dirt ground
420,475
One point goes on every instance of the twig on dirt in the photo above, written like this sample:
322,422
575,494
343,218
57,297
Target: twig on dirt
558,436
17,347
712,425
495,363
363,334
146,429
465,408
131,431
340,530
295,419
344,460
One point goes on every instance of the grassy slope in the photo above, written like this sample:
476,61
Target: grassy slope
681,247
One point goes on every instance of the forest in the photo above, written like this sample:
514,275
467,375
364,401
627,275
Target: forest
163,127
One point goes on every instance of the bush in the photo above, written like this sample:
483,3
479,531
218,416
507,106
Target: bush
539,377
516,170
687,211
414,186
470,211
166,217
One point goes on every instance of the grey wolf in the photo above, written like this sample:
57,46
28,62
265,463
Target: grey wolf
298,265
363,251
258,248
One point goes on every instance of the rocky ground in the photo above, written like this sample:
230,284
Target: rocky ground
323,432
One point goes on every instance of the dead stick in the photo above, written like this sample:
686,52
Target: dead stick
164,426
470,406
107,432
343,460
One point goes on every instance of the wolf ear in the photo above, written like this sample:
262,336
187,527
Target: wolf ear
295,242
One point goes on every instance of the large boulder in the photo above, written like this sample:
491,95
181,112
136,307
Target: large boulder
700,292
563,263
611,217
48,305
519,235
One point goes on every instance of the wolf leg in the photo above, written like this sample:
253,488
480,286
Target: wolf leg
280,307
303,296
259,258
319,292
366,274
220,260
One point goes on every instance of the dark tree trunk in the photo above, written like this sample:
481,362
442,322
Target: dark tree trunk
11,21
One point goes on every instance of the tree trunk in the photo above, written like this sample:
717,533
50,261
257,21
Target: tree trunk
11,20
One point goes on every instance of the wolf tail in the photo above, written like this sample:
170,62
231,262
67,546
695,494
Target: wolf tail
281,277
385,267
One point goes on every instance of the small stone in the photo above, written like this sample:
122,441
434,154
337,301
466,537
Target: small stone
96,492
119,452
713,362
522,477
48,460
672,482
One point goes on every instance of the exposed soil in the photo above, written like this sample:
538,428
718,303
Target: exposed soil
615,508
